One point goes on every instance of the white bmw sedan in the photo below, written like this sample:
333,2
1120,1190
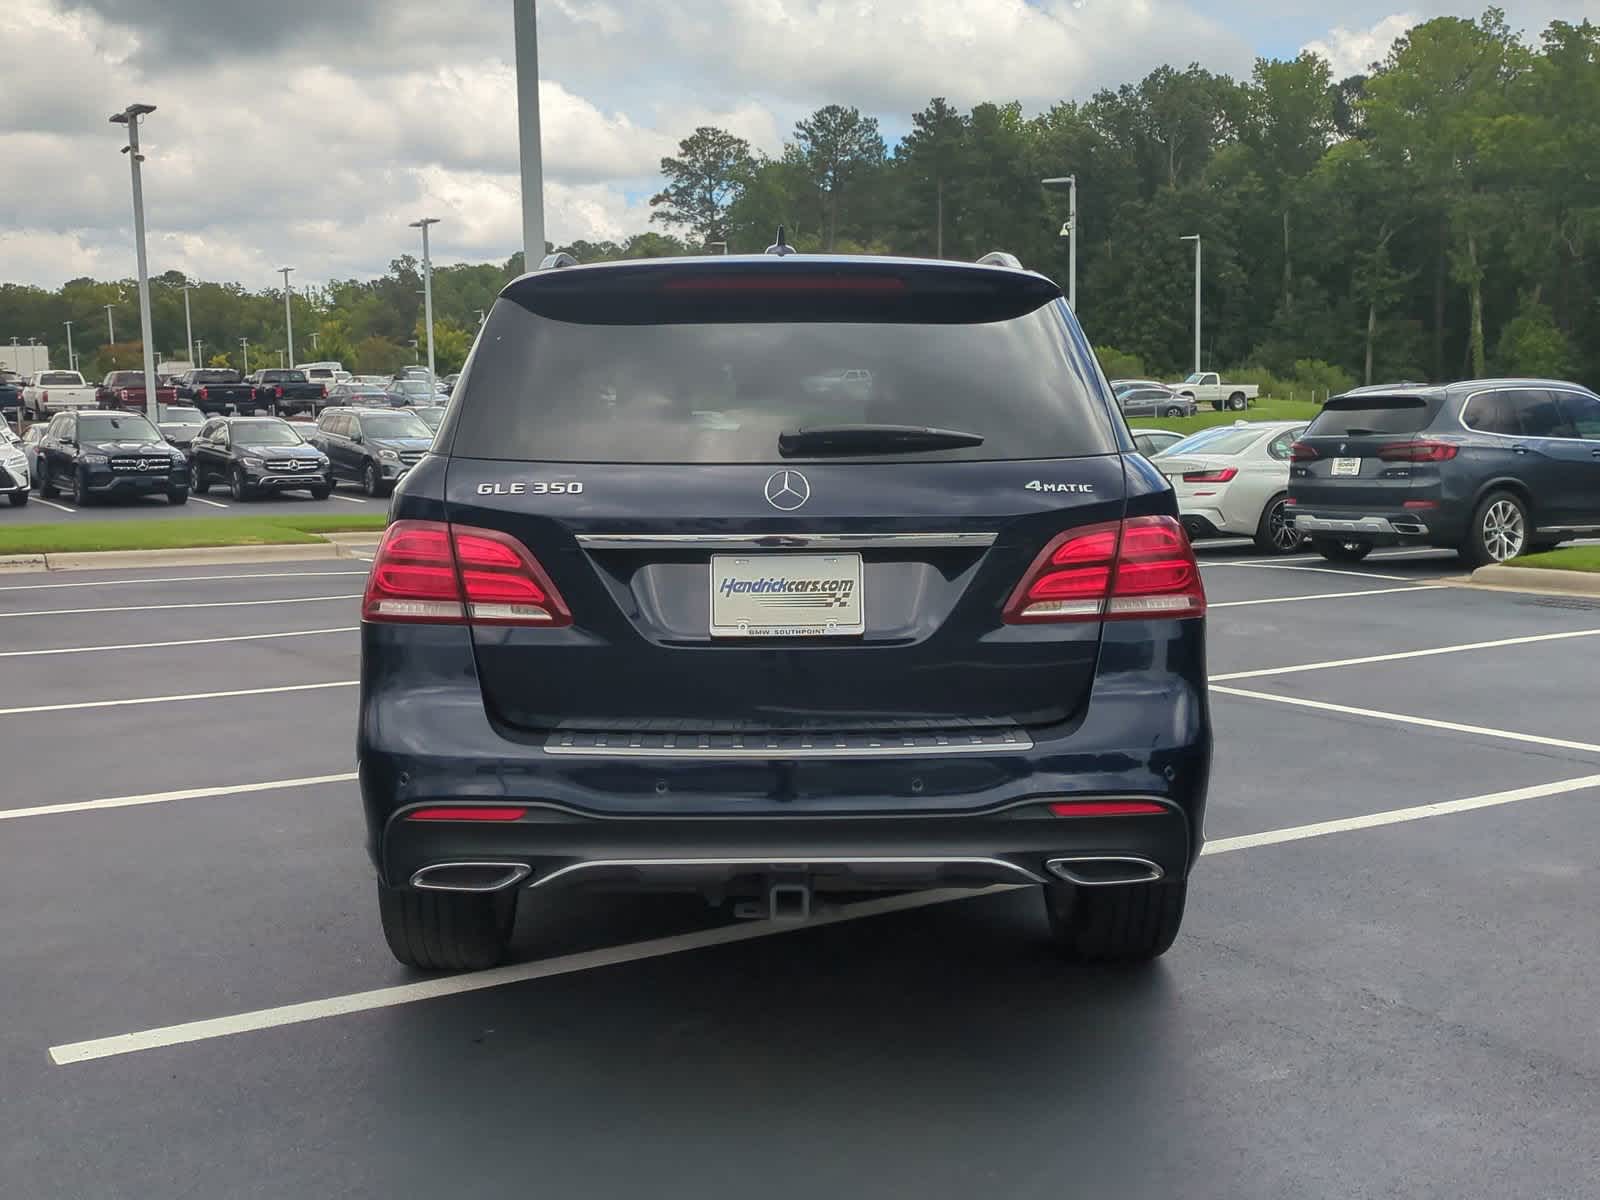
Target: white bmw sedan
1233,481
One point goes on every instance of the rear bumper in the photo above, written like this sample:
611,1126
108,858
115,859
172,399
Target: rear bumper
880,820
1384,527
555,848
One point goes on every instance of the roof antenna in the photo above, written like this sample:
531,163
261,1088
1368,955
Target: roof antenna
781,247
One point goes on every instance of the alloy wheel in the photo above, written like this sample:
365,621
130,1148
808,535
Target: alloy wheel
1504,530
1285,537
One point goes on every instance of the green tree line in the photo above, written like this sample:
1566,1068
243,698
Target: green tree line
1436,218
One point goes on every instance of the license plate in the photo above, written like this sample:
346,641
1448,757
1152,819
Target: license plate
786,595
1347,466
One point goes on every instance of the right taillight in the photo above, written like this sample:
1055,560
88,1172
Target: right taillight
429,572
1418,452
1300,452
205,394
1142,567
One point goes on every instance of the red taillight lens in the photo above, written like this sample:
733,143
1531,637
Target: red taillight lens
432,573
1222,476
457,813
1418,452
278,391
1300,452
1420,505
123,395
205,394
1107,808
1140,567
324,391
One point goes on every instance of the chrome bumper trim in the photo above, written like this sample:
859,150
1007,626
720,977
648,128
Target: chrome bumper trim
786,746
785,541
1358,525
998,865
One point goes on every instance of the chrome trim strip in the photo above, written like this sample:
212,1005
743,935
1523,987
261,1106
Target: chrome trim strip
882,746
785,541
1062,867
515,873
936,860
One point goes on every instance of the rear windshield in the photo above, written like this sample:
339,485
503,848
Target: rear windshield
216,376
1356,416
60,379
554,391
1219,441
279,376
125,379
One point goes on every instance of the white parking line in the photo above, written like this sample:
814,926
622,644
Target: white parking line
236,789
53,504
588,960
122,583
68,612
137,700
347,499
1416,587
1380,658
1506,735
1278,566
212,641
212,503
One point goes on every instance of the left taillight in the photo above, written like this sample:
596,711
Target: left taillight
430,572
1141,567
1225,475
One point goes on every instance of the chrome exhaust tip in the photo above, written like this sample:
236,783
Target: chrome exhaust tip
1105,870
469,876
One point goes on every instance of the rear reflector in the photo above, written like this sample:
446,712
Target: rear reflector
467,814
1140,567
1108,808
1222,476
428,572
1418,452
1421,504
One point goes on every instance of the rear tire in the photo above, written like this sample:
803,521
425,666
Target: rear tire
1342,552
1173,411
1122,923
447,931
1499,530
1276,534
1237,402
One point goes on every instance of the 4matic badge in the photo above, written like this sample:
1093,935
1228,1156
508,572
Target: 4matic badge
1081,489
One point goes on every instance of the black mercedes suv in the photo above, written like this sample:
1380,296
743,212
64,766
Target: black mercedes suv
1492,468
776,578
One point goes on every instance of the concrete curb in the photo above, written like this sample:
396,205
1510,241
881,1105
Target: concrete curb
344,547
1538,579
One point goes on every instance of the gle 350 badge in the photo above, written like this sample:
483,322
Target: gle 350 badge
538,487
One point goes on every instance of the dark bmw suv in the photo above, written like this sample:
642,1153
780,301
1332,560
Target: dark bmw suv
1492,468
775,577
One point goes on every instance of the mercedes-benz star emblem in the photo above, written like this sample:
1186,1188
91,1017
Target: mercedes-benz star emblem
788,490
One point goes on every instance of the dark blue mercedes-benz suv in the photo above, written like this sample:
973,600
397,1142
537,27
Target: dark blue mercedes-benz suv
776,578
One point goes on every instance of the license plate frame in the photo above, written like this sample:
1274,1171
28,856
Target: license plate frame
1346,468
789,596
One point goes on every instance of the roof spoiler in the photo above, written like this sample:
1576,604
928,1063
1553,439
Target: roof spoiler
999,258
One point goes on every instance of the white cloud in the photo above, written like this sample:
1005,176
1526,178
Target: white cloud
1353,51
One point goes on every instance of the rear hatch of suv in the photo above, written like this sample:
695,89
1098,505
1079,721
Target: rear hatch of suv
771,497
1369,452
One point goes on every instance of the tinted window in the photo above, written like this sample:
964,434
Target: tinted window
125,379
59,379
393,425
281,376
723,392
1229,441
1492,412
214,376
1280,446
1204,439
264,433
1353,416
107,427
1540,415
1582,413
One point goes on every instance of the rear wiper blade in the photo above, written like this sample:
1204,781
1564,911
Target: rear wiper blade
872,439
1359,433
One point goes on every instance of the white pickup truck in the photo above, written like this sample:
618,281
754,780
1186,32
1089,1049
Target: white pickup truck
56,391
1206,387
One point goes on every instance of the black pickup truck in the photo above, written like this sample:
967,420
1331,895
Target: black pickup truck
282,391
214,390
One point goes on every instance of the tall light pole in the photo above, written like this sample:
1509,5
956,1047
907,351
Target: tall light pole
188,323
315,349
72,359
1069,231
111,330
200,353
525,19
416,357
1195,238
245,343
130,117
288,312
427,288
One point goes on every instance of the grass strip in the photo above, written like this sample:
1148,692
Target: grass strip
177,533
1573,558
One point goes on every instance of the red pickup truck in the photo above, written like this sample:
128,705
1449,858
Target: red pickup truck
125,390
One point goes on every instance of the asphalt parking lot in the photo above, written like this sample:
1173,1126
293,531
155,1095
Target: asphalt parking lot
216,504
1384,987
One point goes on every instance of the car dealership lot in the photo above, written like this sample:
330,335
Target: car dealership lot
1391,1006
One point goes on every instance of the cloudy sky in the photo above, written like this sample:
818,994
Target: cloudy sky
311,132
